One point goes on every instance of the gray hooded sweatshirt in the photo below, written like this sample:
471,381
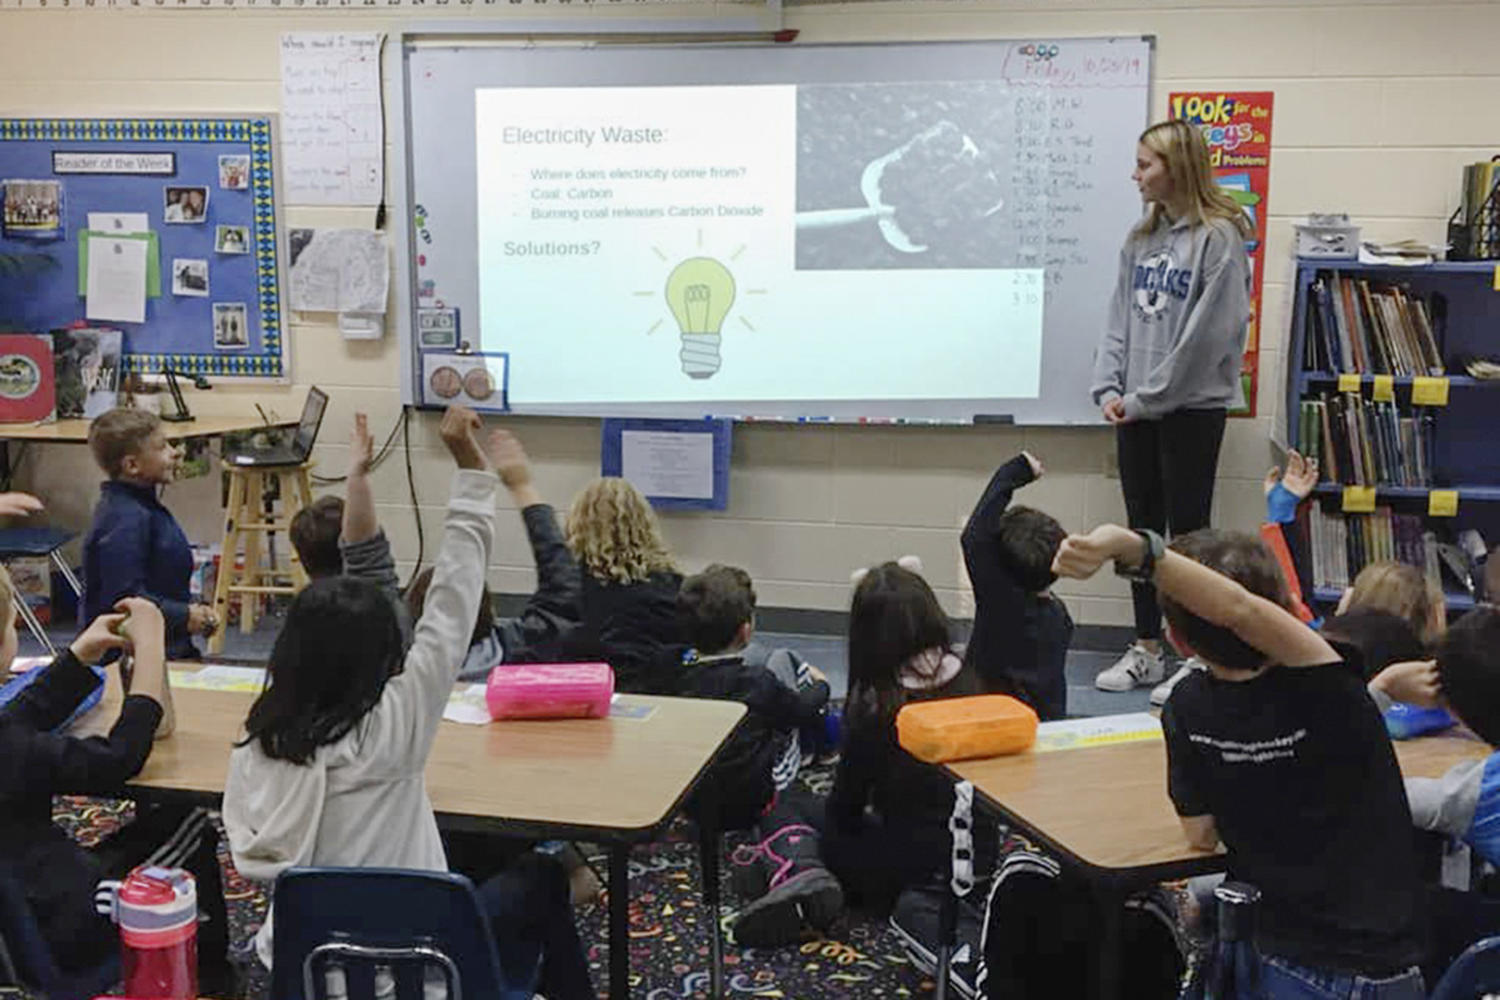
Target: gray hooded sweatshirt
361,802
1177,321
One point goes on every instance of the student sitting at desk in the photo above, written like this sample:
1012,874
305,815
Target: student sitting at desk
135,548
1277,750
57,876
330,769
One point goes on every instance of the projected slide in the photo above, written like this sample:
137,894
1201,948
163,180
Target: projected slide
832,242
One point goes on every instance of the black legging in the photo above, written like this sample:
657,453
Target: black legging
1167,469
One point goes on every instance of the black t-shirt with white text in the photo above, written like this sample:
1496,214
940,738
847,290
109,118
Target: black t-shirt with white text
1302,782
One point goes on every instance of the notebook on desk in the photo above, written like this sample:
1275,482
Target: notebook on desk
300,447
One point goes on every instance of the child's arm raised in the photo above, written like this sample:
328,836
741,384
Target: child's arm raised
1263,624
414,699
360,522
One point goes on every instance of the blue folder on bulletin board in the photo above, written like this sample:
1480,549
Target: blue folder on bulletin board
214,306
676,464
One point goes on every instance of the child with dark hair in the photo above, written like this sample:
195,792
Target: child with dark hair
135,547
717,608
1021,630
1268,731
329,771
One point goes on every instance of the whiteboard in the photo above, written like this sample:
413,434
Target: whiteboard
1070,111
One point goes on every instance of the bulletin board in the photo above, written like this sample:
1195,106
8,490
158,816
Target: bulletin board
193,323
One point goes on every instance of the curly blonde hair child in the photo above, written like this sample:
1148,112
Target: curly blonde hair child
614,535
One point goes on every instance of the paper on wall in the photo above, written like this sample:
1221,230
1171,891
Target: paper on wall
116,283
340,270
119,223
332,135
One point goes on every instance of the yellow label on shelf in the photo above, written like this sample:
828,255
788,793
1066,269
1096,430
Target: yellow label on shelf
1359,499
1429,390
1442,503
1348,382
1385,389
1497,277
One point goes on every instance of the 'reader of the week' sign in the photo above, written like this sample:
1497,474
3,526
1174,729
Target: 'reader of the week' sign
162,164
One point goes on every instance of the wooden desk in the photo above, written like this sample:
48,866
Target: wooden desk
76,431
1105,810
616,781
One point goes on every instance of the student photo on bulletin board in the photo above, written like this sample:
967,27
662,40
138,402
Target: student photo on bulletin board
234,172
231,329
190,277
186,204
232,239
33,209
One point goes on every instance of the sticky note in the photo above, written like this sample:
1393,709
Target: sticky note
1359,499
1429,390
1442,503
1348,382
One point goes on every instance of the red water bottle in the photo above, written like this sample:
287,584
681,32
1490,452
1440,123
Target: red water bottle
157,910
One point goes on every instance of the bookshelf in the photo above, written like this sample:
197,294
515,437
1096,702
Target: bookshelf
1411,326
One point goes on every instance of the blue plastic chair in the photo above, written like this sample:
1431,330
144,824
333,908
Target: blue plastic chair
406,921
18,543
1475,973
26,959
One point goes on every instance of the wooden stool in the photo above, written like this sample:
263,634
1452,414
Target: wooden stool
248,517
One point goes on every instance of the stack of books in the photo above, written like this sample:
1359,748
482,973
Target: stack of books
1343,544
1368,327
1358,442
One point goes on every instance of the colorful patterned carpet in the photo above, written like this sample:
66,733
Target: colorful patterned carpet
669,940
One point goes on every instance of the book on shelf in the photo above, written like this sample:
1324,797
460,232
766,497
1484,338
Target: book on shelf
1343,544
1369,327
1361,442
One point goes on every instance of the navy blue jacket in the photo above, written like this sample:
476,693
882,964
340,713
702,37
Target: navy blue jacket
135,548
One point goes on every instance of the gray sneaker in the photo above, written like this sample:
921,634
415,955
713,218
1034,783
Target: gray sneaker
1139,666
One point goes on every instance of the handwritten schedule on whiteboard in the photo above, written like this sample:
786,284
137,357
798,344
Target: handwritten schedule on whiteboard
332,138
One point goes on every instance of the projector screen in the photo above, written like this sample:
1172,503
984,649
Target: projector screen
926,231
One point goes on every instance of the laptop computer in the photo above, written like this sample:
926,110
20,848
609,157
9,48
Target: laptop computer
301,445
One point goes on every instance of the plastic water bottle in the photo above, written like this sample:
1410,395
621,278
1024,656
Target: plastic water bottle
157,912
1405,722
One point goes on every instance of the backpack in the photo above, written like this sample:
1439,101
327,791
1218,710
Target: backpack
1040,931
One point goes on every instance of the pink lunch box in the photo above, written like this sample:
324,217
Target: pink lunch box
550,691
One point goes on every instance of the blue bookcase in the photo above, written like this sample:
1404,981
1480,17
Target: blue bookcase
1465,440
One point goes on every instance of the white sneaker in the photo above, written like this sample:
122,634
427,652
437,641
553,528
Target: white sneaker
1163,691
1137,667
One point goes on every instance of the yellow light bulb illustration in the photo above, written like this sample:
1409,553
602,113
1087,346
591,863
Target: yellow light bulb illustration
700,291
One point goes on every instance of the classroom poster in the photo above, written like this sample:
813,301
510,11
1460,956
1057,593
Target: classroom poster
1237,127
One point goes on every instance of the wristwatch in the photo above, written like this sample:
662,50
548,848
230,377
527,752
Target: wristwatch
1142,572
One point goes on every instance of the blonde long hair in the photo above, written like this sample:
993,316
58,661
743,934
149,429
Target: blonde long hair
614,535
1182,149
1403,591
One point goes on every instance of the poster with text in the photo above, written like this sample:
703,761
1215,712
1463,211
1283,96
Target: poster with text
1237,128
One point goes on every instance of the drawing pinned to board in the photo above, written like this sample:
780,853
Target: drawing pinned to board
339,270
33,209
231,329
185,204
